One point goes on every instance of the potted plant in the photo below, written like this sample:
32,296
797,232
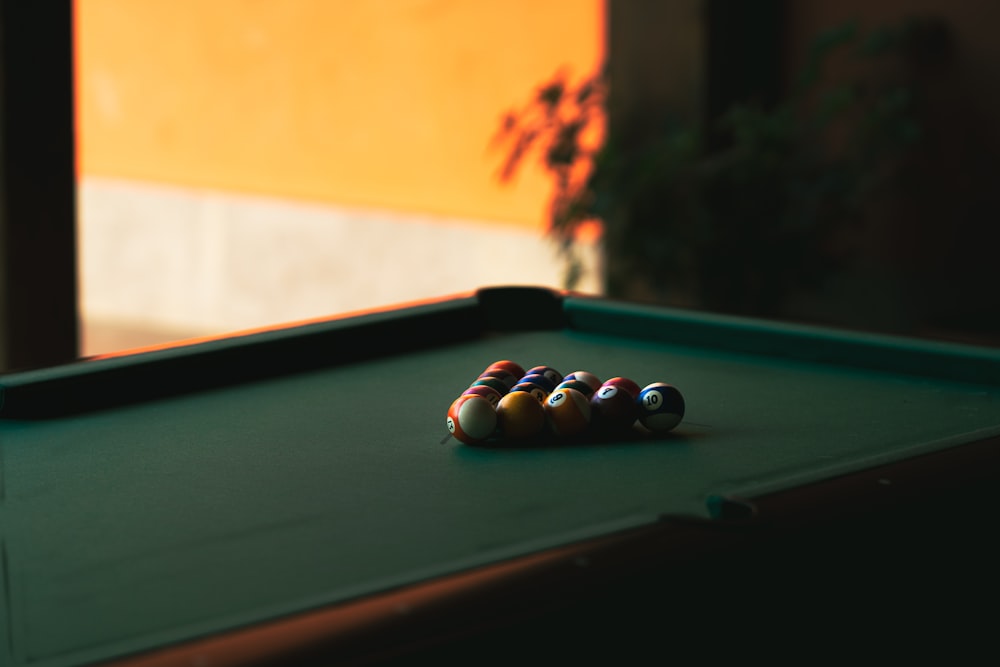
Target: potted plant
741,212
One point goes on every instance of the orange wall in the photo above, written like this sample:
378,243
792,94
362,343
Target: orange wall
386,103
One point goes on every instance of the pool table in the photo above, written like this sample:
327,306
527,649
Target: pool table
291,495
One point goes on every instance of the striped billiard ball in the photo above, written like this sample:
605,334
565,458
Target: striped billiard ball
493,382
487,392
471,418
554,376
586,376
567,412
508,378
535,390
539,380
579,385
661,407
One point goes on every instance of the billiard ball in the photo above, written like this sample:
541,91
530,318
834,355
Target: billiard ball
536,391
552,374
487,392
585,376
520,415
540,380
628,385
511,367
567,412
613,408
579,385
471,418
661,407
495,383
505,376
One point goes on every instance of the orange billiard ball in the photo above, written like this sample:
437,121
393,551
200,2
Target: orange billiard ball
471,418
567,411
507,365
520,415
508,378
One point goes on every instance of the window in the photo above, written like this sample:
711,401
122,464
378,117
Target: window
245,164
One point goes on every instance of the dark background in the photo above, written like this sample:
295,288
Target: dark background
925,263
925,269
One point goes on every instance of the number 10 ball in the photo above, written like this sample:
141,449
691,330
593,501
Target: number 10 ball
661,407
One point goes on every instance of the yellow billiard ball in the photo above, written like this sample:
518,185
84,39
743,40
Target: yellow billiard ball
520,415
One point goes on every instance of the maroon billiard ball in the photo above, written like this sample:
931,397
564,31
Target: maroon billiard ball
487,392
630,386
613,408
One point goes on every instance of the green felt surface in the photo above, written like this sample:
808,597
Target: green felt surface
171,519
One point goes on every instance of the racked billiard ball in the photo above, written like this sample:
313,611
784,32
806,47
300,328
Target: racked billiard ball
628,385
554,376
487,392
536,391
494,382
661,407
508,378
613,408
539,380
471,419
520,415
586,376
579,385
511,367
567,412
